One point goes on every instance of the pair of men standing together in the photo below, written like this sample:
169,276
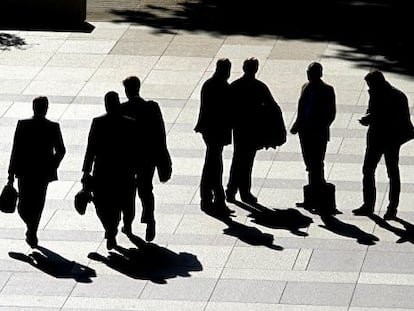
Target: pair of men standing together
388,118
219,119
125,147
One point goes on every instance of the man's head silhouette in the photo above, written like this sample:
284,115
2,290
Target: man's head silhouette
223,67
314,71
375,79
112,102
250,66
132,86
40,106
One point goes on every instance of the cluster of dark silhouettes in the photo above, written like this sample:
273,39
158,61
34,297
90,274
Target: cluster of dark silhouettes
127,145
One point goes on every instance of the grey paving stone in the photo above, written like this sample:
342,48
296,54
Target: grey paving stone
318,294
248,291
110,286
388,262
383,296
330,260
37,284
139,48
190,289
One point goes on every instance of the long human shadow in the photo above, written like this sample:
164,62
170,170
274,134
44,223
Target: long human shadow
244,233
149,262
288,219
366,28
55,265
405,235
333,224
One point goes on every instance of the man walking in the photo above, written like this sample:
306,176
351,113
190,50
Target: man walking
152,152
36,154
110,153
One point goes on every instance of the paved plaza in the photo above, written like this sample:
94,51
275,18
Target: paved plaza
279,258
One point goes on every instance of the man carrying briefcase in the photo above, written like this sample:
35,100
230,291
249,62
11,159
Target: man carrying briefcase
316,112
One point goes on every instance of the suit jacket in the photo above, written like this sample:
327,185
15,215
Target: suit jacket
111,151
316,109
388,117
149,132
252,103
37,149
214,119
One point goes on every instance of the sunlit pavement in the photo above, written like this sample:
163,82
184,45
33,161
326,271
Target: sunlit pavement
282,259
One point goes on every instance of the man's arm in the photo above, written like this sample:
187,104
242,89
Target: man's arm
332,106
164,163
14,152
90,150
296,124
59,147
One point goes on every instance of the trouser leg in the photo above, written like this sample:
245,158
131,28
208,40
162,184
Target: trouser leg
32,195
246,168
372,157
108,209
145,192
391,157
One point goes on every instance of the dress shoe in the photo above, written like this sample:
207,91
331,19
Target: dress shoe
230,196
32,241
126,230
248,198
111,243
363,211
300,204
150,232
330,212
390,214
206,205
222,208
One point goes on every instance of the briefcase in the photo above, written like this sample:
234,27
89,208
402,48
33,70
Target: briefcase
8,199
320,198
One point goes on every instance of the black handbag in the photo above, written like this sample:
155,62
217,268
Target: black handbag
8,199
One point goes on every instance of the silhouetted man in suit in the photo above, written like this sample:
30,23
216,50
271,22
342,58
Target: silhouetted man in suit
389,126
36,154
150,139
316,112
110,155
249,96
214,123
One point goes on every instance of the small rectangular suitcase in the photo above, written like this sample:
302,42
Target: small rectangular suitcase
320,198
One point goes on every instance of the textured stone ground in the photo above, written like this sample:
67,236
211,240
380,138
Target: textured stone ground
280,258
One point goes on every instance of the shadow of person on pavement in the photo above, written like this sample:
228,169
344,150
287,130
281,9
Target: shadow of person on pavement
55,265
244,233
149,262
339,227
289,219
405,235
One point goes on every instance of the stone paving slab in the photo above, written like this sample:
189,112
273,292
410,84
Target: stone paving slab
253,263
